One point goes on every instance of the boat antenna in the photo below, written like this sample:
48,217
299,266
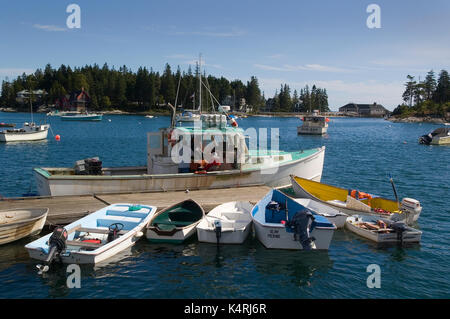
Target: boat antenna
393,188
178,89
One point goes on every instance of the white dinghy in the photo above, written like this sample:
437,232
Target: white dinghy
96,237
20,223
334,215
229,223
381,230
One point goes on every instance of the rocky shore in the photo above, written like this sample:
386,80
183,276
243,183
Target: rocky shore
415,119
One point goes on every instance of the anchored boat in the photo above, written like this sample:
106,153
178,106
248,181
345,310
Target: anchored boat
353,202
440,136
176,223
229,223
282,223
82,117
94,238
20,223
29,132
314,124
382,230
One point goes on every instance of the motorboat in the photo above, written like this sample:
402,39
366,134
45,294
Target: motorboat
313,124
176,223
95,237
282,223
229,223
381,230
20,223
29,132
82,117
440,136
353,202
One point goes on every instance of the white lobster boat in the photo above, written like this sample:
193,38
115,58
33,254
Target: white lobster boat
29,132
236,165
229,223
96,237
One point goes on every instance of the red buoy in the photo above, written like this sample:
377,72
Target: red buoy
57,137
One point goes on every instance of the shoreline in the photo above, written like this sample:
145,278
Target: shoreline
418,119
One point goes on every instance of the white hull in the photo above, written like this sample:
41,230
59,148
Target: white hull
276,237
311,130
25,136
410,236
309,167
235,221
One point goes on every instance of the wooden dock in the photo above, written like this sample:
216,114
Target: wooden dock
66,209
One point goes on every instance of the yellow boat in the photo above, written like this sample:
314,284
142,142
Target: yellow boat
353,202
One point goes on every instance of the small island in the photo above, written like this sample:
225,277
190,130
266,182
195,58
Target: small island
425,101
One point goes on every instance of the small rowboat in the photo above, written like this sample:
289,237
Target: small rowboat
229,223
20,223
282,223
94,238
382,230
176,223
351,204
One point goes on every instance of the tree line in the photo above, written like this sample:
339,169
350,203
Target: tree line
429,97
147,89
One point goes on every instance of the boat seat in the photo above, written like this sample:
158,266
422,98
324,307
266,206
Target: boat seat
128,222
127,213
98,230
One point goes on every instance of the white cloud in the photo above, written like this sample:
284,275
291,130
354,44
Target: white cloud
49,27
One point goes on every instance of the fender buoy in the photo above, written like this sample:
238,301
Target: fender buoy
233,122
200,172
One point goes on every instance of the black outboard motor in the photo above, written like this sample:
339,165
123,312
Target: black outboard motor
425,139
56,243
300,224
218,230
399,228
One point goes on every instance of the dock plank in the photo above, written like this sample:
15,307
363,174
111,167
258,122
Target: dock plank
66,209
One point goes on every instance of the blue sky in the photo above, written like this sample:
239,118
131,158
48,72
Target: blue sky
326,43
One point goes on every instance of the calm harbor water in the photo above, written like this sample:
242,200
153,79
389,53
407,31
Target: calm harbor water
360,153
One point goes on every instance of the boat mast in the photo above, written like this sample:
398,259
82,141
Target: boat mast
200,82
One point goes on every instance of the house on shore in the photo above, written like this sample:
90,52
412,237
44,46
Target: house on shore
76,101
24,95
364,110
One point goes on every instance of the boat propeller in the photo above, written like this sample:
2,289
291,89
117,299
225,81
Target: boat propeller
56,243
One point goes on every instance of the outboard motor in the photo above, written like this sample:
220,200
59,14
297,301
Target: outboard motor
300,224
399,228
411,207
425,139
218,230
56,243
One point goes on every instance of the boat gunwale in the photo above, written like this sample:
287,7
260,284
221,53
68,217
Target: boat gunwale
176,229
43,214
